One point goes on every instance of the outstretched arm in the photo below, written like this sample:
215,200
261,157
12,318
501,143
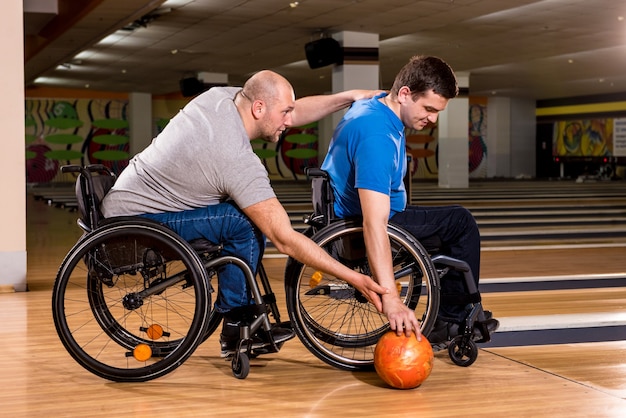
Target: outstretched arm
270,217
376,207
313,108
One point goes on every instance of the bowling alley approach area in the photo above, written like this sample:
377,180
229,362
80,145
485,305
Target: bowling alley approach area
553,272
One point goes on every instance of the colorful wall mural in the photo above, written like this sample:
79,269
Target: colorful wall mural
78,131
82,131
422,147
477,137
583,138
287,159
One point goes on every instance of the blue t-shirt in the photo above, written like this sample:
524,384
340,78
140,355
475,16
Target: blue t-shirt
367,151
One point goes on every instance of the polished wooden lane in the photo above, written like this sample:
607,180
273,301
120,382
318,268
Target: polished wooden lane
39,378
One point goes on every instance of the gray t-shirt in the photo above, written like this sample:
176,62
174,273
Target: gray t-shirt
202,157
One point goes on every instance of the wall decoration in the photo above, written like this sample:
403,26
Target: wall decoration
583,138
70,131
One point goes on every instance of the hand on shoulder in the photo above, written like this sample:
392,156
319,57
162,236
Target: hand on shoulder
365,94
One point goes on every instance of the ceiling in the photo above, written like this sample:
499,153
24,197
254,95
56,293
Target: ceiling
539,49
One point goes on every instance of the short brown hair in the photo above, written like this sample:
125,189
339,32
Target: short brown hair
424,73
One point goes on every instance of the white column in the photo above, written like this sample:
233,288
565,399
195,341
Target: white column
453,140
139,121
499,137
12,157
360,70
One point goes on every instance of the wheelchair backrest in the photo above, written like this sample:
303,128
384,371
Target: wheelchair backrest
324,212
321,198
92,184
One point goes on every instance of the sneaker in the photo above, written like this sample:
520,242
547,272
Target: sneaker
443,332
490,325
229,338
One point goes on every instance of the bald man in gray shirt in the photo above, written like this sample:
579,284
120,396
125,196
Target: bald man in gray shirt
201,178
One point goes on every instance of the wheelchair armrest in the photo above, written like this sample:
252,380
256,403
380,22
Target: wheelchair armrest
315,172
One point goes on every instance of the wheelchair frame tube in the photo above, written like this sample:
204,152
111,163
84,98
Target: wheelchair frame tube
254,287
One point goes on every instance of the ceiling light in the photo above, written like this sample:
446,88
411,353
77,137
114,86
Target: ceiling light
570,61
111,39
83,55
294,4
176,3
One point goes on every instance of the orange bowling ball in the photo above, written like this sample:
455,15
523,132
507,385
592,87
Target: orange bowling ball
403,362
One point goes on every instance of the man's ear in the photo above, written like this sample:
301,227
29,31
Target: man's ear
404,93
258,108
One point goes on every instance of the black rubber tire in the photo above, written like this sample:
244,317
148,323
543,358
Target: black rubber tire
101,315
463,351
332,319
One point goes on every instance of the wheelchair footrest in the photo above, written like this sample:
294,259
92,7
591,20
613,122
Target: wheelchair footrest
484,332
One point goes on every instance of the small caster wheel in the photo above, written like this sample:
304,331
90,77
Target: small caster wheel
240,365
463,351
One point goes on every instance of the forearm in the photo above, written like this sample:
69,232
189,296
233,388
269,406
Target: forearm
379,256
273,221
307,252
313,108
299,247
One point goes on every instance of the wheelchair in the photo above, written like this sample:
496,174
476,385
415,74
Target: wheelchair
336,323
132,299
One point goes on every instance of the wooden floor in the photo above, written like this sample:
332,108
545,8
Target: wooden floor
38,378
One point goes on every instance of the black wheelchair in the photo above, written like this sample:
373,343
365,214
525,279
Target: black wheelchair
132,299
336,323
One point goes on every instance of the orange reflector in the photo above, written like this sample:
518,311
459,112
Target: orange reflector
316,278
399,287
142,352
154,331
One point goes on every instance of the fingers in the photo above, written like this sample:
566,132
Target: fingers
376,301
407,325
413,331
379,289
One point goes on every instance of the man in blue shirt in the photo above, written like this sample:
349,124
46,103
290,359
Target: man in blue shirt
366,163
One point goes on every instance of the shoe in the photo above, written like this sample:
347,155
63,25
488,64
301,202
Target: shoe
491,325
443,332
230,336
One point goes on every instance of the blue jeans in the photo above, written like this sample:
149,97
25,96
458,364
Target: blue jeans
457,230
224,224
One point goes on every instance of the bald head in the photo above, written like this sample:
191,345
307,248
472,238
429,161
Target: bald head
268,86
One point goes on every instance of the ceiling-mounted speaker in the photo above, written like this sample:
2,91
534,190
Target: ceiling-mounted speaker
323,52
191,86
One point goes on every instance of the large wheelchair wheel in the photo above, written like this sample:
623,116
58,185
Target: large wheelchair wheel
131,301
333,320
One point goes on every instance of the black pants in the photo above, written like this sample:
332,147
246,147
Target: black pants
456,228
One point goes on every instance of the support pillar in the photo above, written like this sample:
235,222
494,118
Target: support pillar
139,121
499,137
360,70
12,157
453,139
